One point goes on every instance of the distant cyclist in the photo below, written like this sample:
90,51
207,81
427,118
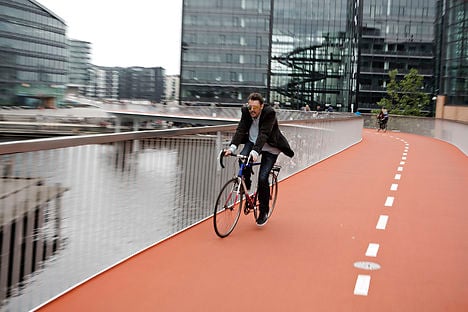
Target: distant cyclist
259,132
382,118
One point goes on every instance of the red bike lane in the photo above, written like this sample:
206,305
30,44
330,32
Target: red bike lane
379,227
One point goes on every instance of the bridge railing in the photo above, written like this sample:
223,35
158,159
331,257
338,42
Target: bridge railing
210,111
72,207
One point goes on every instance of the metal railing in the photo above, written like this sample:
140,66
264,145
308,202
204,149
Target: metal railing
73,207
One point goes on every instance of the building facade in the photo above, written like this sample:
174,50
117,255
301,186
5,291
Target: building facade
320,53
104,83
451,39
33,55
225,50
313,54
142,83
395,35
79,70
172,88
294,52
454,53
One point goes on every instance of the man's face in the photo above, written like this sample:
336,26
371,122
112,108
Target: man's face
255,108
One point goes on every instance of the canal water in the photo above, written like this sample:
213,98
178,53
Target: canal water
119,199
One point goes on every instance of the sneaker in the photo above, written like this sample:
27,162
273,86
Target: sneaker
262,219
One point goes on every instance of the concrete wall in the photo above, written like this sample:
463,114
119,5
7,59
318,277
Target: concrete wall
409,124
450,112
451,131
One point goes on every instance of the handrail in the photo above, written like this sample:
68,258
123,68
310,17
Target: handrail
88,202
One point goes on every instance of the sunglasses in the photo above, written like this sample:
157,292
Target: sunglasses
252,107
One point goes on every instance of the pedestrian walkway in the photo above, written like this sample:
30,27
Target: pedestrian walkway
381,226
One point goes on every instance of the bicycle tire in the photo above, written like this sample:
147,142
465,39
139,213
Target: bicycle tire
273,179
227,208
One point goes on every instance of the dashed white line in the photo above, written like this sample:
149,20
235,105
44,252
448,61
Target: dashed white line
389,201
382,223
372,250
362,285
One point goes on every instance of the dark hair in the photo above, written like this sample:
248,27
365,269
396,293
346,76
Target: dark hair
256,97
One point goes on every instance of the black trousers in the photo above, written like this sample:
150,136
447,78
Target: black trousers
263,189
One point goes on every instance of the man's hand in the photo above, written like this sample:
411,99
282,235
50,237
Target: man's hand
230,150
253,156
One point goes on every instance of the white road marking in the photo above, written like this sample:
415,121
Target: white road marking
362,285
382,223
372,250
389,201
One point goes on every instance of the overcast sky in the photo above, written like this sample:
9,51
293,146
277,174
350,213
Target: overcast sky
125,32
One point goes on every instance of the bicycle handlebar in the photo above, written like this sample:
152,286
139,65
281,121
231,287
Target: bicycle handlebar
221,157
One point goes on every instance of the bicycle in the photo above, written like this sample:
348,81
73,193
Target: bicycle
382,125
233,199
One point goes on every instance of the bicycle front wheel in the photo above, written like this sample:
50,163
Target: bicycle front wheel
227,208
273,179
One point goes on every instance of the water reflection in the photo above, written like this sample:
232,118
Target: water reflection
30,225
120,198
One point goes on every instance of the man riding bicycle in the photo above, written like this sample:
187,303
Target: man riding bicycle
382,117
259,132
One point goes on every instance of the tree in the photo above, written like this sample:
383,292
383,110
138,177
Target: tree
405,97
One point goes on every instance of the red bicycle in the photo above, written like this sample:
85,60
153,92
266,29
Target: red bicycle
233,198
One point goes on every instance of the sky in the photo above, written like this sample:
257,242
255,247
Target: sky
125,33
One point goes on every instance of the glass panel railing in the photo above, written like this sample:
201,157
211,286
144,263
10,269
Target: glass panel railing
72,207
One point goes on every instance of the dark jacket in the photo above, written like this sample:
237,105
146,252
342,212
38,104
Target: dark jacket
268,131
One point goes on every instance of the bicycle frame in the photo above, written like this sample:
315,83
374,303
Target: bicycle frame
251,200
230,201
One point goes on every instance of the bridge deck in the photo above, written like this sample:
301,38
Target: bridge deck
395,200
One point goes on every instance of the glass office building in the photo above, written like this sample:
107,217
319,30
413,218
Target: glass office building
33,54
395,35
79,64
225,50
321,53
294,52
314,53
452,52
143,83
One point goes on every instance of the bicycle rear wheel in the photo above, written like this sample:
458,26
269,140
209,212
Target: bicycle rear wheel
227,208
273,179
